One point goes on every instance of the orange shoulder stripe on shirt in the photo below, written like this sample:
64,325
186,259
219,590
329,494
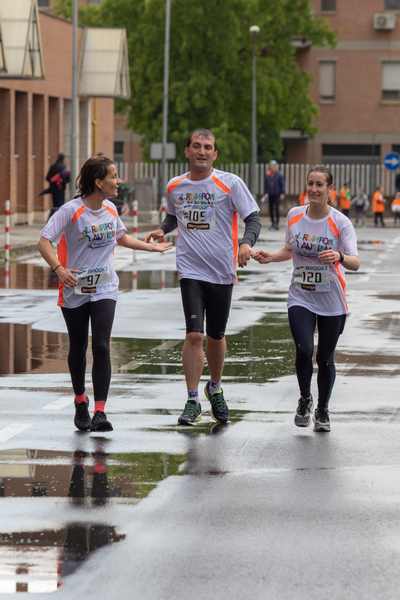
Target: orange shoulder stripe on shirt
78,213
112,211
333,227
295,219
62,253
235,238
220,184
175,183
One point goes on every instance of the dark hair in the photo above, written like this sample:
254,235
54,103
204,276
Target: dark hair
321,169
60,157
94,168
204,133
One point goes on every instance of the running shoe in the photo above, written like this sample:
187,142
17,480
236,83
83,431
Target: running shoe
321,420
191,413
82,420
303,413
219,407
100,422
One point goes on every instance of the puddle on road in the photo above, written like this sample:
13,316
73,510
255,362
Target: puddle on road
39,560
260,352
26,276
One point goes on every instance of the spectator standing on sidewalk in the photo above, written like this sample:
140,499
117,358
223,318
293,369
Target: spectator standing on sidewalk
361,204
58,176
345,199
378,206
274,191
396,208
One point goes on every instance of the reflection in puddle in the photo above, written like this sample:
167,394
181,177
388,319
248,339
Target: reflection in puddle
39,560
260,352
26,276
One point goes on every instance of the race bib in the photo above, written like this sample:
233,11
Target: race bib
195,217
91,281
312,278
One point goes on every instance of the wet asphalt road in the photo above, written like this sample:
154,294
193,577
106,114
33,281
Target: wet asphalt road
259,509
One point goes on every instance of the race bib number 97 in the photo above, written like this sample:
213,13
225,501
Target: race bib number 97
90,280
312,278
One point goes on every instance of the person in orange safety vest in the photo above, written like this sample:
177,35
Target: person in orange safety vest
395,206
378,206
345,199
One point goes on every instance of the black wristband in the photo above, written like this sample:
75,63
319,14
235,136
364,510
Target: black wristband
341,257
55,268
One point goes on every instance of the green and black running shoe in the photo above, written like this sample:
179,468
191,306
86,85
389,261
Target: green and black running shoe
219,407
191,413
321,420
302,417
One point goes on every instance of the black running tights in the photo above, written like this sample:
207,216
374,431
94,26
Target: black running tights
302,324
101,316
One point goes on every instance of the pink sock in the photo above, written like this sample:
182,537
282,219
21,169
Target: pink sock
79,398
99,406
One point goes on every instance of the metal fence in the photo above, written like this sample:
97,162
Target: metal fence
365,176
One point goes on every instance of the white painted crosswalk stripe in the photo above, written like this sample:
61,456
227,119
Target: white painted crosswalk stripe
6,433
58,404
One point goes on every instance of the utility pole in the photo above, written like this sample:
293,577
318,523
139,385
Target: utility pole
165,100
74,98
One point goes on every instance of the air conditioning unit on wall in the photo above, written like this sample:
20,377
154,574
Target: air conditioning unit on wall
384,21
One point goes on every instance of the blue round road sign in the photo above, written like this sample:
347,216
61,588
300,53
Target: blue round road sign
392,161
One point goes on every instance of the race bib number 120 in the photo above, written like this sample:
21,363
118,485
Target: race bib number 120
312,278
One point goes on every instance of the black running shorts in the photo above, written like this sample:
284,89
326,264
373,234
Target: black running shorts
212,300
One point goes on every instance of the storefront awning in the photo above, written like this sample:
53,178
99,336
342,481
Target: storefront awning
20,40
104,68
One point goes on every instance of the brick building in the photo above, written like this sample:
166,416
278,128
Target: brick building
35,112
356,85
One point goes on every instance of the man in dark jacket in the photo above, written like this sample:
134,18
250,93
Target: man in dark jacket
274,190
58,176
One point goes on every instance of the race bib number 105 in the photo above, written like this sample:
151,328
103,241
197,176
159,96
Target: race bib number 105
198,218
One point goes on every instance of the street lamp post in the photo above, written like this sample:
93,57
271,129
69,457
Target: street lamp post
254,31
74,98
165,99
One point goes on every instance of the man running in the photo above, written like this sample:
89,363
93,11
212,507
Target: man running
204,204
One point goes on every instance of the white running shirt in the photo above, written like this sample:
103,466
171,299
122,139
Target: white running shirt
86,240
317,287
207,214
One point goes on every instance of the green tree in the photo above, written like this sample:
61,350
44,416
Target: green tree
210,68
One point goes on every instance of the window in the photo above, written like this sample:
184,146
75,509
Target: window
392,4
119,151
44,3
391,81
328,5
327,80
367,153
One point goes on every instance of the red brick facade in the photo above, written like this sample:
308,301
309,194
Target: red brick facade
358,115
34,124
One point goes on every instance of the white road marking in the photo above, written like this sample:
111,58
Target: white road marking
10,431
59,404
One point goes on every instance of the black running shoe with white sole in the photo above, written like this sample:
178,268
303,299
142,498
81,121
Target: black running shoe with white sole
321,421
219,407
82,420
191,413
302,417
100,422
